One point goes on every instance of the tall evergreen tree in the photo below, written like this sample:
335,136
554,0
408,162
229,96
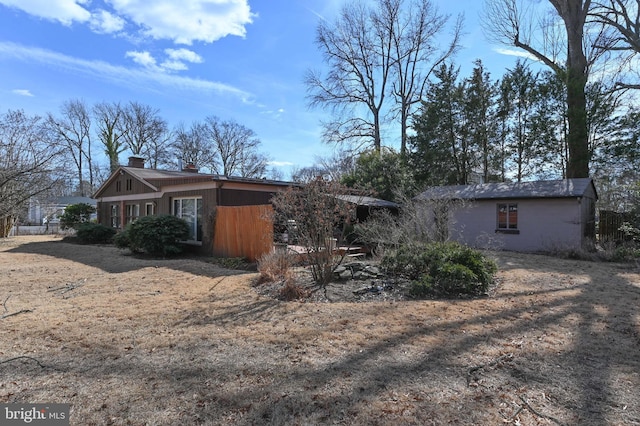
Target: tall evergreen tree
520,86
439,147
480,108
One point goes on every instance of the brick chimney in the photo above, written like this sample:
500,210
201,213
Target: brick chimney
137,162
190,167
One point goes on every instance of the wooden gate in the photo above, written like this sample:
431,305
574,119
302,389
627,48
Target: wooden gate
609,225
243,231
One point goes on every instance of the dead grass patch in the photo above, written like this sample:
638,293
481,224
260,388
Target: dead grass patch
184,341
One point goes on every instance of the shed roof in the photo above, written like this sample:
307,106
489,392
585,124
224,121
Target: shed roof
362,200
565,188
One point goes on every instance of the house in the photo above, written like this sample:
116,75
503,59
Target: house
42,211
133,191
523,216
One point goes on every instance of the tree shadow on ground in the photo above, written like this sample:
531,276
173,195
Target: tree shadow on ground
569,349
112,260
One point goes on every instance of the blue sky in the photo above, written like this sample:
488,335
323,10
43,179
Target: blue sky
237,59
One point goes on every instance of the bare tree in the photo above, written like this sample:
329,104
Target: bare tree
413,28
621,20
511,23
234,149
144,132
331,167
190,145
108,118
358,55
73,129
158,151
27,161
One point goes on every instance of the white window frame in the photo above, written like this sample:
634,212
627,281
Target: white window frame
131,212
115,216
509,227
177,209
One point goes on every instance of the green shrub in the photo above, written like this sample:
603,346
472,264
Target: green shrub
121,239
155,235
625,253
441,268
76,214
94,233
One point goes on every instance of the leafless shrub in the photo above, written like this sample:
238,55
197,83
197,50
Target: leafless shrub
418,221
293,291
275,266
320,217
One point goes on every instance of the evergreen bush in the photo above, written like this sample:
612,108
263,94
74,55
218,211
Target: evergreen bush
76,214
155,235
94,233
442,269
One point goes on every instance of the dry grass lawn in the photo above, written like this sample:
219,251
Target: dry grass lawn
137,341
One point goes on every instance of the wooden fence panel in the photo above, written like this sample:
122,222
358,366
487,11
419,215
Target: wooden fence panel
243,231
609,225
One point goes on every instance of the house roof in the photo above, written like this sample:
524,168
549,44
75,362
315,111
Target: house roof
66,201
566,188
362,200
152,177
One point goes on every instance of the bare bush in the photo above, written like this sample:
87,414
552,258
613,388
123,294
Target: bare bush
321,218
419,221
292,291
275,266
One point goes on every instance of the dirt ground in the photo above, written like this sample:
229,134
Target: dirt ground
127,340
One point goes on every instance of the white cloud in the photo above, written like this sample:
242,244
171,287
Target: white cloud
184,55
63,11
104,22
276,114
188,20
182,21
142,78
516,52
175,61
22,92
280,163
174,66
143,58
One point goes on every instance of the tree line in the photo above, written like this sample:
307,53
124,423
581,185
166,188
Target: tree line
474,129
63,153
383,58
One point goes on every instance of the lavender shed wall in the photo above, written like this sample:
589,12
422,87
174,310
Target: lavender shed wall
543,224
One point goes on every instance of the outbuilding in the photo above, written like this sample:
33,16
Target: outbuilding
517,216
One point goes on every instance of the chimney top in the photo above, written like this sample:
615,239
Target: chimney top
190,167
137,162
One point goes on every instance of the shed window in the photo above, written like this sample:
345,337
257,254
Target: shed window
190,209
507,216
